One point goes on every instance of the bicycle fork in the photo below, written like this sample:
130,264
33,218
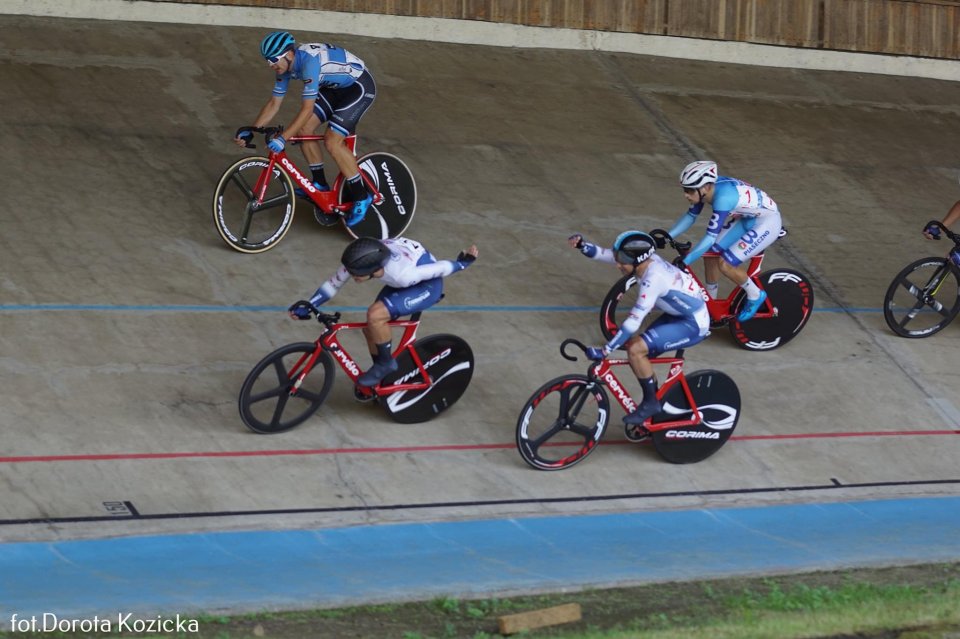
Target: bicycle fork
310,360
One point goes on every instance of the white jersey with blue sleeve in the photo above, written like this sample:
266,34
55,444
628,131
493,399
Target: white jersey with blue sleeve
664,287
732,198
409,264
320,66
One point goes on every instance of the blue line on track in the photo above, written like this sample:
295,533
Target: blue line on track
200,308
244,571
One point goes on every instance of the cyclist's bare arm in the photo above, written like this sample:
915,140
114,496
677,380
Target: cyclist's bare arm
952,216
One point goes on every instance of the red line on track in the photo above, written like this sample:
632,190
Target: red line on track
415,449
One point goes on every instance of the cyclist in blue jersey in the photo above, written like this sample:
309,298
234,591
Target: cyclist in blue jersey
745,221
685,320
337,89
414,282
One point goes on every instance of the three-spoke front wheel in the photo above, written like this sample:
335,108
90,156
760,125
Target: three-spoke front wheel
285,388
923,298
562,422
245,221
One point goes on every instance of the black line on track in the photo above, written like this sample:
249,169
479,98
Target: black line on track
135,515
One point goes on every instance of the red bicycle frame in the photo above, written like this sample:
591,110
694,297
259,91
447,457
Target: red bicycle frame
721,309
604,372
326,201
328,342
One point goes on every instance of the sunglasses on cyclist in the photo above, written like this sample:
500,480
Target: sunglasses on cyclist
275,59
622,257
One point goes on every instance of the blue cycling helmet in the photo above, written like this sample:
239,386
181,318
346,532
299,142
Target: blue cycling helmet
276,44
633,247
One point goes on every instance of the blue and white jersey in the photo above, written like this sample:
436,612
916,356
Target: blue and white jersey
409,264
736,198
320,66
665,287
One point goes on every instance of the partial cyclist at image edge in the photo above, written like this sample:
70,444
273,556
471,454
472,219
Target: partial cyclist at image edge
924,297
685,320
337,90
413,280
932,232
745,221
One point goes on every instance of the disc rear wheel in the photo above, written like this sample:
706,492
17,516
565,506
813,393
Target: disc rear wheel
394,180
448,361
718,402
781,318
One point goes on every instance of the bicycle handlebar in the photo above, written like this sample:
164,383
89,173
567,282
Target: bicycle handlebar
568,342
327,319
662,238
953,236
268,132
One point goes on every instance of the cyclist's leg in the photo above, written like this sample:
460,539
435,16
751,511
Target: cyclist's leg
758,234
312,150
711,275
638,351
392,303
347,107
666,333
711,265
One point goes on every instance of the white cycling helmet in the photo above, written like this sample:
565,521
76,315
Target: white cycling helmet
697,174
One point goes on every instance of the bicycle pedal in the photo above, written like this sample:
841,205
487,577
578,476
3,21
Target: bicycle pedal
326,219
364,397
636,433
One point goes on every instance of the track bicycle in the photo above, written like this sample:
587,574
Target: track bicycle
255,198
288,386
564,420
925,296
781,317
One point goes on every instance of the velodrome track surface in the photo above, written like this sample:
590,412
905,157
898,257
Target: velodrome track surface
127,326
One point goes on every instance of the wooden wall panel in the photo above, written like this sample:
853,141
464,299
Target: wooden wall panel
928,28
909,28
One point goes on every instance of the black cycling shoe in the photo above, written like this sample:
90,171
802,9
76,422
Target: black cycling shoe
644,411
377,372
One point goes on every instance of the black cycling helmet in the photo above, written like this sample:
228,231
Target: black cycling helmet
633,247
365,255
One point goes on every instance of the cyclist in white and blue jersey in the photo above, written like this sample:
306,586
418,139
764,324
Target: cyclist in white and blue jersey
685,320
337,89
745,221
413,281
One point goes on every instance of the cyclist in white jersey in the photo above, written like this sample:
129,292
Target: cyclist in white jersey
685,320
745,221
414,282
338,89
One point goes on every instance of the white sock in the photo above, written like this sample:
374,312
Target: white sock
712,289
753,292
